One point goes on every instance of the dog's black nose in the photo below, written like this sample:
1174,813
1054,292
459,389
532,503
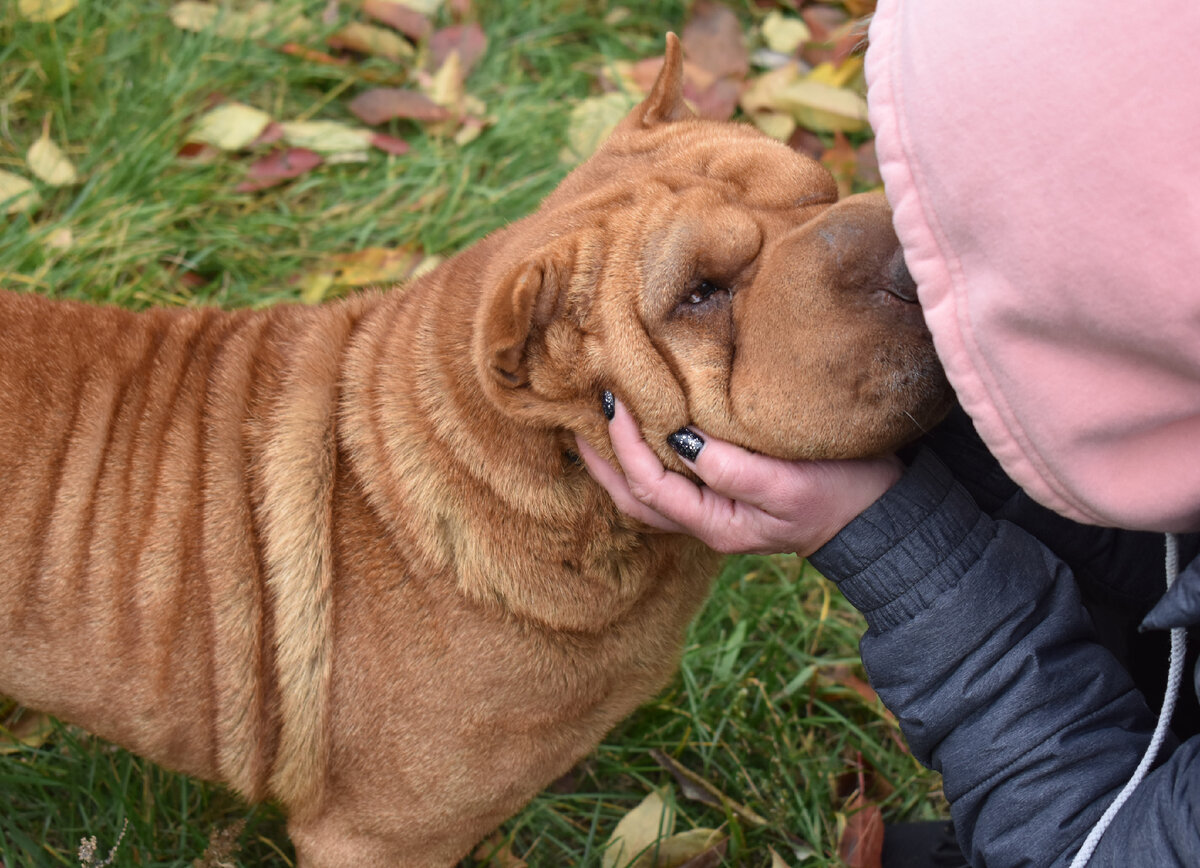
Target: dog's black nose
900,282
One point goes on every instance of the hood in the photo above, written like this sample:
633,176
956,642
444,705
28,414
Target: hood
1043,164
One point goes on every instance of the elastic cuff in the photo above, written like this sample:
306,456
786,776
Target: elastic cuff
907,547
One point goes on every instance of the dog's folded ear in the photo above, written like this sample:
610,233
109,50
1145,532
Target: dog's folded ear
665,102
524,302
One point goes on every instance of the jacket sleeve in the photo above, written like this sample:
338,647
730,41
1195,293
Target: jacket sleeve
977,640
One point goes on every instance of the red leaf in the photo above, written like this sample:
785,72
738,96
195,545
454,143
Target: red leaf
823,20
712,39
391,144
408,21
381,104
277,167
862,841
718,101
468,39
271,133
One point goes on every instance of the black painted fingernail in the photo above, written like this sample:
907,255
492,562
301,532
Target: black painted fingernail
608,404
686,442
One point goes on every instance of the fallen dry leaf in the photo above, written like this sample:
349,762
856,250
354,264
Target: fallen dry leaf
48,163
230,127
45,10
468,40
17,194
365,38
30,729
427,8
712,38
277,167
637,831
784,33
371,266
398,16
326,137
695,848
390,144
60,239
861,844
590,123
822,107
252,22
382,104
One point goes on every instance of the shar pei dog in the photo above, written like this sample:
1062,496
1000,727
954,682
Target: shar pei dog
343,557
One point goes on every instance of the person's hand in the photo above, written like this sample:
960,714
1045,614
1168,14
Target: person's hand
749,502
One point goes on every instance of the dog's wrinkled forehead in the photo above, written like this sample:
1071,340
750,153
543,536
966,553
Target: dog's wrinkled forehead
754,170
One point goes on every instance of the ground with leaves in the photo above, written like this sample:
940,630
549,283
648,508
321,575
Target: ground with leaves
267,151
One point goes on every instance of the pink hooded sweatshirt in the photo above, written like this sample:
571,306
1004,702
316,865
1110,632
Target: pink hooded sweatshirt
1043,161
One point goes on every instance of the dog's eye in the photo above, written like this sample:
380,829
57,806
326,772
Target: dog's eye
701,293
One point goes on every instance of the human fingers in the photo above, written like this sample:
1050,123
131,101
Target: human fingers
612,481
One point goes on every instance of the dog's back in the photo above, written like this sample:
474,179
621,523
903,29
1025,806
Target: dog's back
128,524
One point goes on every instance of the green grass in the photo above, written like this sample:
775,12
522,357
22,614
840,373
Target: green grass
757,708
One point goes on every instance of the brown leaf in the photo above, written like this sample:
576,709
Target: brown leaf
277,167
369,39
382,104
407,20
712,38
468,40
861,845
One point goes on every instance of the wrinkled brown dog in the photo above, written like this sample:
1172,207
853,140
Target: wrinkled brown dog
342,557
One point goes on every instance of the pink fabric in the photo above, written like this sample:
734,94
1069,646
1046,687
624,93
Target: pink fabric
1043,161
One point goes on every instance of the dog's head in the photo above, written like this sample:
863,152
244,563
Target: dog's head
708,274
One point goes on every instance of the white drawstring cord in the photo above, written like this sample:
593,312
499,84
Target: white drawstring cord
1174,677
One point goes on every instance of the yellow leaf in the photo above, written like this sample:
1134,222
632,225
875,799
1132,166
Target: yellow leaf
255,21
591,122
326,137
837,76
447,86
776,859
17,194
784,33
822,107
371,266
60,239
193,15
369,39
230,127
427,8
631,843
777,125
45,10
32,729
48,163
678,849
